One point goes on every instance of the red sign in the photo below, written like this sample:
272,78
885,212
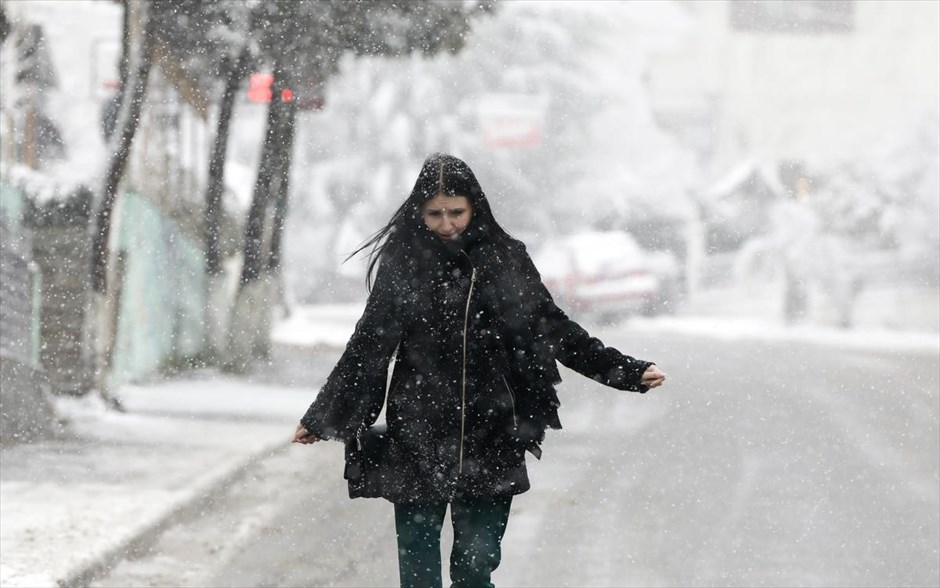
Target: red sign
259,87
512,120
260,90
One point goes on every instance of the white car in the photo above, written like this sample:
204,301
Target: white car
607,275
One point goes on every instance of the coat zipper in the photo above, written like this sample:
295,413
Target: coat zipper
512,399
463,390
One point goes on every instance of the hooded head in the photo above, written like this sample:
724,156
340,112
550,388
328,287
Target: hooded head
440,174
447,175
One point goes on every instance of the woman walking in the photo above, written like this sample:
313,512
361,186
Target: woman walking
475,335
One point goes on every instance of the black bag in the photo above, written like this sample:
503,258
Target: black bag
365,470
365,462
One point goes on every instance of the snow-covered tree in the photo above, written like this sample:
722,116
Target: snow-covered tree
303,44
601,158
890,197
886,202
38,140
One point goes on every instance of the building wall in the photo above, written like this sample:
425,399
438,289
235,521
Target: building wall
60,252
19,282
805,95
160,315
25,411
161,272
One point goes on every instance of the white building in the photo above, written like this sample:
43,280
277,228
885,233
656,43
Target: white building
814,81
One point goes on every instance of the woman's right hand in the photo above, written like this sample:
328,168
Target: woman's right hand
302,435
653,377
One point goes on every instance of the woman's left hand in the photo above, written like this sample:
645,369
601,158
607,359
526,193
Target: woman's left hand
653,377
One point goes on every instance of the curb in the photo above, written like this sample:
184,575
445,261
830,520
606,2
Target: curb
203,489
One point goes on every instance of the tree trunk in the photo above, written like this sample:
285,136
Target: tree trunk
134,89
252,249
30,146
794,296
128,120
272,284
5,25
249,299
212,220
215,185
126,35
282,193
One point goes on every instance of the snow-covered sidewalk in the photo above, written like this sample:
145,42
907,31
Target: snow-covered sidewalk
72,506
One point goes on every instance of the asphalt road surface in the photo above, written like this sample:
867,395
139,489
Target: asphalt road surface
757,464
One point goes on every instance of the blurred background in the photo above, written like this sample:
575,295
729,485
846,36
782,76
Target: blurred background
179,180
217,162
775,159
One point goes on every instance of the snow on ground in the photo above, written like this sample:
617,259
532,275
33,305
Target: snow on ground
333,324
76,502
327,324
68,503
742,329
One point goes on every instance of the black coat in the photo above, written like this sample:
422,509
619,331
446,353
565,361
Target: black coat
473,383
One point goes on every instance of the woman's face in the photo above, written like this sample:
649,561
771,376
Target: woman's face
447,216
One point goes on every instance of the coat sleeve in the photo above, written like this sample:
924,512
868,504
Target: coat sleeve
573,346
354,392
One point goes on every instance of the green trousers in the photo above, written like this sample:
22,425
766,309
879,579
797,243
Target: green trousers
479,525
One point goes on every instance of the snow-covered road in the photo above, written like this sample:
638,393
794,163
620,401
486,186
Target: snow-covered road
761,463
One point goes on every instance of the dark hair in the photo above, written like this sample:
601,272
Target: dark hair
440,174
